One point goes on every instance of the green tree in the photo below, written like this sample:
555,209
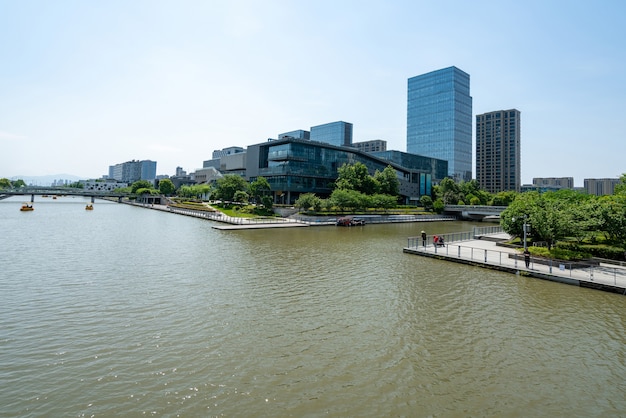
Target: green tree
5,183
18,183
267,202
438,206
427,202
307,201
259,188
140,184
356,177
620,188
227,186
503,198
613,217
388,181
241,196
383,201
549,215
166,187
449,192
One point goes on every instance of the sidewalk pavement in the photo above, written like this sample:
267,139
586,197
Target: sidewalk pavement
485,252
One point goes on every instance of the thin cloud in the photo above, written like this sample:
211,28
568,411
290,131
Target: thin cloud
7,136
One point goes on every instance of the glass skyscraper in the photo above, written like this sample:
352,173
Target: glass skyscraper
334,133
439,119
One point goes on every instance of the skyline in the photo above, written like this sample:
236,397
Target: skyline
88,85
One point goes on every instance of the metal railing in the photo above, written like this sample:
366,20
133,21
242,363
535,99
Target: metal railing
415,242
615,276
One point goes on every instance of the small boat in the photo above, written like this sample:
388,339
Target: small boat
26,207
350,222
89,207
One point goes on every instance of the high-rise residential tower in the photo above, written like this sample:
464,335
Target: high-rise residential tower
498,150
439,119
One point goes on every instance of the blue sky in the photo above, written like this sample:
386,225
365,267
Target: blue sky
88,84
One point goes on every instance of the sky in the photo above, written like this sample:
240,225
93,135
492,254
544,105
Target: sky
89,84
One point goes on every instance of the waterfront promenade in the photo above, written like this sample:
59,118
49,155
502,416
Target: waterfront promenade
484,251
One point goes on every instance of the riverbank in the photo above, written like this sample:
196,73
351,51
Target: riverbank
485,252
294,221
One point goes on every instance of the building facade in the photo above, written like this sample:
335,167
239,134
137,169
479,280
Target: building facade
556,182
295,166
218,153
376,145
298,134
498,148
334,133
439,119
132,171
600,187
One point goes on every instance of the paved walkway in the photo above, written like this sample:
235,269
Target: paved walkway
485,252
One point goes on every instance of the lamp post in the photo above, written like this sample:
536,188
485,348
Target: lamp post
524,230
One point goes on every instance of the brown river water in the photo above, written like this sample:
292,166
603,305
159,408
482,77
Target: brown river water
123,311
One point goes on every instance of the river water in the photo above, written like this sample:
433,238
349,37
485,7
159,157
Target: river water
133,312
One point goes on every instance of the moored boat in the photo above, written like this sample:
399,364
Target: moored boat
347,221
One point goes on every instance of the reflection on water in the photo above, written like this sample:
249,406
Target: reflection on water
130,311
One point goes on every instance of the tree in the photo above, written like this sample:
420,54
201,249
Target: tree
613,217
258,188
549,215
241,196
620,188
228,185
166,187
438,206
5,183
388,181
356,177
307,201
449,192
140,184
19,183
427,202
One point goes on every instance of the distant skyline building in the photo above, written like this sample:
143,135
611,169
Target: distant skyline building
439,119
298,134
219,153
557,182
132,171
601,187
334,133
376,145
498,148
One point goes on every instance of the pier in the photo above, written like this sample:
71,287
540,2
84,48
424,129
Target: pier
482,250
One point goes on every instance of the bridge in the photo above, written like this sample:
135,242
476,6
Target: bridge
62,191
474,212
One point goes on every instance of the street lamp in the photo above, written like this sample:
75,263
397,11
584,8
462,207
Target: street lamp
525,230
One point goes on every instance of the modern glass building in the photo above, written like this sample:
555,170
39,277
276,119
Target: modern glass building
334,133
498,150
439,119
294,166
298,134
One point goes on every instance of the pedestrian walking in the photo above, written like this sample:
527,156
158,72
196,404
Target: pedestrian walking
423,238
527,257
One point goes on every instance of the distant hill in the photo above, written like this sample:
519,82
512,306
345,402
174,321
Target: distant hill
48,180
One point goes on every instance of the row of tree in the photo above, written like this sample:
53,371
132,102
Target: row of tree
553,216
5,183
